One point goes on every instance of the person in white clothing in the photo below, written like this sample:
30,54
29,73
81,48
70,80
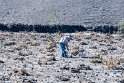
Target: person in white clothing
64,45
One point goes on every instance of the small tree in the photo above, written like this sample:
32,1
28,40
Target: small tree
121,26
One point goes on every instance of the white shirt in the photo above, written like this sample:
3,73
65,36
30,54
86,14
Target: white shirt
64,40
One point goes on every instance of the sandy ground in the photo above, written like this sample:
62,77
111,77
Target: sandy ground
28,57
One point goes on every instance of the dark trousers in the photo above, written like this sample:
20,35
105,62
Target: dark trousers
63,50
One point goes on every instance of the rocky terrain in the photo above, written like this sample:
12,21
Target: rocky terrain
28,57
62,12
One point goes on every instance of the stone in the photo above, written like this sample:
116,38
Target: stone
112,48
121,60
63,77
85,67
23,54
21,72
83,43
25,80
19,58
5,78
118,68
1,61
96,61
122,81
66,67
51,58
75,70
10,43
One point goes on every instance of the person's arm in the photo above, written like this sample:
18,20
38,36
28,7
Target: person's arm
67,46
67,40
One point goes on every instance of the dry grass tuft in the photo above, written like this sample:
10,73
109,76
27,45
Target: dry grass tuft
74,50
111,62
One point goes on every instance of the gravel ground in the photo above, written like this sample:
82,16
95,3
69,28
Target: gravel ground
67,12
35,58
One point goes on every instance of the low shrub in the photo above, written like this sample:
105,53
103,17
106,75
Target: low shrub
121,26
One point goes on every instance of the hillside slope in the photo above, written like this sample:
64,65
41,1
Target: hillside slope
67,12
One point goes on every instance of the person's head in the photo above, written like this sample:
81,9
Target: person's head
69,37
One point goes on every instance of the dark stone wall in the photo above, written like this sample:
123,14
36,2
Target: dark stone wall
57,28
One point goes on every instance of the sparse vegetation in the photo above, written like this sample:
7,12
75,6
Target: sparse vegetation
51,45
121,26
74,50
111,62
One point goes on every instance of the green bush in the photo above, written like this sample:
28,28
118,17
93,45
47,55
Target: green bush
121,26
